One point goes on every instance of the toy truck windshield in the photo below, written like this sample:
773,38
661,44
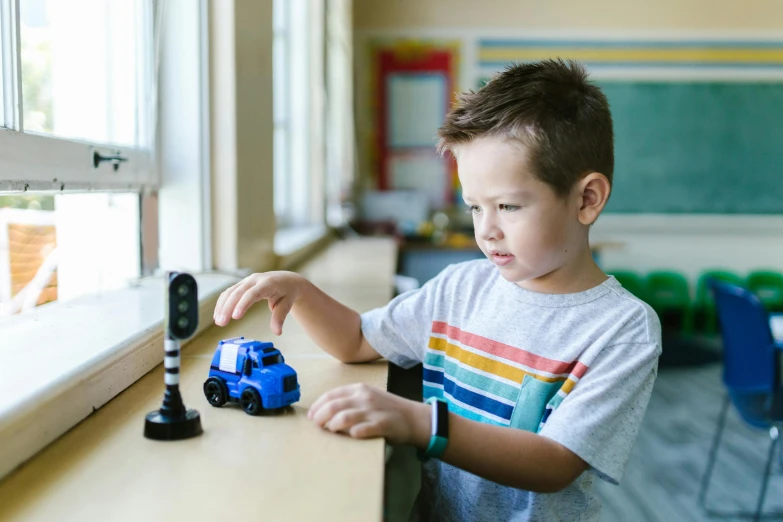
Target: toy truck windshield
269,360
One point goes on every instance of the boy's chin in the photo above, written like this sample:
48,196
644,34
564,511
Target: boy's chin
517,276
511,275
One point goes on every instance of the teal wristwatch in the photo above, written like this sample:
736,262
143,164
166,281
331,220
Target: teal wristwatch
440,428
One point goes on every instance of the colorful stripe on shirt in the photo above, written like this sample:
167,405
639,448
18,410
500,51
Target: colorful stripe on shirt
481,378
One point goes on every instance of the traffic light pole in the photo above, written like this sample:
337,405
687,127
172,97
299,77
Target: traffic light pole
172,400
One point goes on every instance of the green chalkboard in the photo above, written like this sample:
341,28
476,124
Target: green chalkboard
697,147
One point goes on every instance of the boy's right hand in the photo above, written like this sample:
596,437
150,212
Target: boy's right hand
281,289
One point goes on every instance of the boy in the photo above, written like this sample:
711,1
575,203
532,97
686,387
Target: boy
544,363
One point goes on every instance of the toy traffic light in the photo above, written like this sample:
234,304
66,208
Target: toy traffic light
173,421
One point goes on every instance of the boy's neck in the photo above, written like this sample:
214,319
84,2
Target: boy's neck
578,275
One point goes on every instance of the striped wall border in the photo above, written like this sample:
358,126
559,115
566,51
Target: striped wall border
495,53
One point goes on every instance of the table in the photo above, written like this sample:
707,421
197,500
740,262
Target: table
271,467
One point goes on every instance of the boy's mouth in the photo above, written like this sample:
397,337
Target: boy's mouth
500,258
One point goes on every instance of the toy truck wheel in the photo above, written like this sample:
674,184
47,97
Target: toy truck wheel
251,401
215,391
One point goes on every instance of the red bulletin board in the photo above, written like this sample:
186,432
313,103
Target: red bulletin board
410,60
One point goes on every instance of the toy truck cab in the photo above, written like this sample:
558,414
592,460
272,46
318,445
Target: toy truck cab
251,373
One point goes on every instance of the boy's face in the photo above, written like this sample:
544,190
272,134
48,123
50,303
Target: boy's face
521,224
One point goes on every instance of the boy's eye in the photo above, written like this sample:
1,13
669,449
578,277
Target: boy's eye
474,209
508,208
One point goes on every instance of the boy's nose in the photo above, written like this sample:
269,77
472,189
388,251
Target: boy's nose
487,230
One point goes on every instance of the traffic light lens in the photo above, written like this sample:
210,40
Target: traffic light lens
183,322
182,290
182,307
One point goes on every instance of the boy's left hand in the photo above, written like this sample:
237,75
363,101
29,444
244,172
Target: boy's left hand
364,412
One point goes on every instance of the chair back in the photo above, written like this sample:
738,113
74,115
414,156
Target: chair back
749,363
666,290
632,282
768,286
703,293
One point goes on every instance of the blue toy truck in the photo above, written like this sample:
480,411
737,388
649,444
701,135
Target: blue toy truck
251,373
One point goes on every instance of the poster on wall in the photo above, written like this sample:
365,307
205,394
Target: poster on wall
414,88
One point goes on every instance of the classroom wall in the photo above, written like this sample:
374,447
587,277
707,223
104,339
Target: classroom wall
690,243
685,242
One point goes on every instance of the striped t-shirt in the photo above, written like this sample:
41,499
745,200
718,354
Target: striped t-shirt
576,368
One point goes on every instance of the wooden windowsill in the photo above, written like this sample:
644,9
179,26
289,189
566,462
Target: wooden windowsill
271,467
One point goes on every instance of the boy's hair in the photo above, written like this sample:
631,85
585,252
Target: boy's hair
550,107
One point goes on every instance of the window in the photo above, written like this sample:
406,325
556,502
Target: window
77,113
297,111
313,115
282,118
82,73
7,82
339,113
60,247
3,46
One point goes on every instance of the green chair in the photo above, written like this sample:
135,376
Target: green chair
704,312
768,287
631,281
669,296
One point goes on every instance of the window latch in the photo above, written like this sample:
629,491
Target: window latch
116,159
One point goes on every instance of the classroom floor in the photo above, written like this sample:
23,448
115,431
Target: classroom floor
662,479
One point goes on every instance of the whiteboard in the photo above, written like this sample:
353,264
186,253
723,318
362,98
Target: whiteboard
417,105
424,171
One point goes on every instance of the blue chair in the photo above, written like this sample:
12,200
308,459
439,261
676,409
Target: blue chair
750,374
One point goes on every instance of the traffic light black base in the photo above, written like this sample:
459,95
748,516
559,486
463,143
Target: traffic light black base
163,427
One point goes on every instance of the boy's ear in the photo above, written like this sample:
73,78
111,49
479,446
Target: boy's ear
593,192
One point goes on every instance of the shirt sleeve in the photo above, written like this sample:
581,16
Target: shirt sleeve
399,331
600,418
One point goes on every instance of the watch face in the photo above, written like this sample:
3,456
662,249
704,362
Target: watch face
434,412
441,427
